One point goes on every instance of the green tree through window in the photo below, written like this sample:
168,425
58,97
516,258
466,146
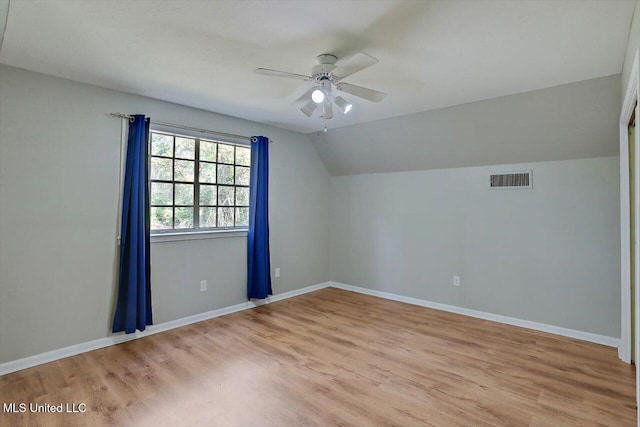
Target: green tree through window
197,184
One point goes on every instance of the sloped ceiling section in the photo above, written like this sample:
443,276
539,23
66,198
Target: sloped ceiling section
577,120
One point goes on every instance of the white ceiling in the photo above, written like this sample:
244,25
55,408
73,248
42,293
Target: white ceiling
432,53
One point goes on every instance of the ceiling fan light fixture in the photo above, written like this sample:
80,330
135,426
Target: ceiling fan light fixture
343,105
317,96
327,110
309,108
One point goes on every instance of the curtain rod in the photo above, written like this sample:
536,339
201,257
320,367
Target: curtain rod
173,125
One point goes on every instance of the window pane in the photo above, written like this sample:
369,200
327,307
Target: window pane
207,151
242,175
207,217
161,218
225,217
184,218
221,167
161,169
242,196
184,170
243,156
226,196
225,174
242,217
185,148
184,194
161,145
161,194
208,195
207,172
225,153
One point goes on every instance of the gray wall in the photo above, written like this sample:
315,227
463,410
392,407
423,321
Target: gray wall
59,157
632,47
549,254
558,123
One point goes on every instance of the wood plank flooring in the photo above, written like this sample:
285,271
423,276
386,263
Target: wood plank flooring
334,358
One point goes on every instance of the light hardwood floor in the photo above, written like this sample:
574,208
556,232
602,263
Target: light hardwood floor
335,358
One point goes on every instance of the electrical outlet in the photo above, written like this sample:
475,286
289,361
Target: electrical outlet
277,272
203,286
456,280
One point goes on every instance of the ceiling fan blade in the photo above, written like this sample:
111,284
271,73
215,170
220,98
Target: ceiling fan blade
357,62
276,73
362,92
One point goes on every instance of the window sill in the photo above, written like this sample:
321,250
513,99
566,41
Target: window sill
198,235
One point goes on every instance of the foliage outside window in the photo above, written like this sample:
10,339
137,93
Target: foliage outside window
198,184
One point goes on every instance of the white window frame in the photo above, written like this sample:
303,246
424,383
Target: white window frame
159,236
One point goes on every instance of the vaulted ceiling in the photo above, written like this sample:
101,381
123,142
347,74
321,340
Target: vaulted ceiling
432,54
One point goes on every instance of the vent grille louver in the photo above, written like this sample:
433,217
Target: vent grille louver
510,180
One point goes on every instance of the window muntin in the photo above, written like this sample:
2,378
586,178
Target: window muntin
197,184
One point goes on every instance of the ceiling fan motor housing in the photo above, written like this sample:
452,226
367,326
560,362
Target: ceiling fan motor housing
326,63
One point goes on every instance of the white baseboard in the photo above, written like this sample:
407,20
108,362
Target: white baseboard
61,353
571,333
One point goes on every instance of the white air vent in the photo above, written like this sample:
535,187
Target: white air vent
511,180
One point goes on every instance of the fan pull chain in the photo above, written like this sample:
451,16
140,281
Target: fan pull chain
325,126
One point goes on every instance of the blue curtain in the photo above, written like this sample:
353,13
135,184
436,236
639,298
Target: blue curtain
259,265
133,309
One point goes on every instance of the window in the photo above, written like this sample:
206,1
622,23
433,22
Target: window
197,184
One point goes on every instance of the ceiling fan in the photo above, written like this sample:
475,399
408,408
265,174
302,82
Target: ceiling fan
327,75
